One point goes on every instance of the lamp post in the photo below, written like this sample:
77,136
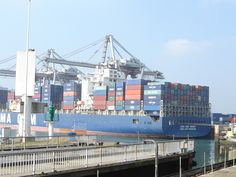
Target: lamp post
156,154
27,99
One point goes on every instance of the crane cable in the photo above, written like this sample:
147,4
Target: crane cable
74,52
101,45
7,59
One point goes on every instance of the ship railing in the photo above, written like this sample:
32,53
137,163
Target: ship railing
30,162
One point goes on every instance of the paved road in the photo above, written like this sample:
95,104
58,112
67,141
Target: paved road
226,172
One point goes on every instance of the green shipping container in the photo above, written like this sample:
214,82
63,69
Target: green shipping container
119,103
112,84
111,98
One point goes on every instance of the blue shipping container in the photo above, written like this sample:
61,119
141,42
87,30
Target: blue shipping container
136,82
68,102
52,93
132,102
36,100
152,97
99,92
152,87
112,89
120,84
132,107
151,102
151,108
119,108
69,98
120,89
154,113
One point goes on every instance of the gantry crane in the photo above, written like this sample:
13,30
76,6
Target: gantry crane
114,57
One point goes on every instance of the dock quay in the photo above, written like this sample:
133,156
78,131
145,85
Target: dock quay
91,161
40,142
226,172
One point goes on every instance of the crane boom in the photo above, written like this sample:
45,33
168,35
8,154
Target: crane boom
70,63
65,76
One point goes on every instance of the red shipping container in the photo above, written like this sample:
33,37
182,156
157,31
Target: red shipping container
11,95
70,93
68,107
36,95
119,98
110,103
133,97
99,107
99,102
111,93
134,87
99,98
134,92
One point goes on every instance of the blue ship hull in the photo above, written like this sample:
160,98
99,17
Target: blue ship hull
116,125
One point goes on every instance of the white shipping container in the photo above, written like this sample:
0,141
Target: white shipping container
111,107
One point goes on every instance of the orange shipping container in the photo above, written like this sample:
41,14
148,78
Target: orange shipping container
119,98
112,93
99,98
68,107
70,94
134,92
99,102
110,103
134,87
133,97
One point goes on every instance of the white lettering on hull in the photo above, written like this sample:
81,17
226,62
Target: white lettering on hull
3,118
6,118
33,119
19,118
188,127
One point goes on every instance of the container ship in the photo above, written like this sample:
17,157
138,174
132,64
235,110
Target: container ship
109,103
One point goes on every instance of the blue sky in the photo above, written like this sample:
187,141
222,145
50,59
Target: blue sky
190,41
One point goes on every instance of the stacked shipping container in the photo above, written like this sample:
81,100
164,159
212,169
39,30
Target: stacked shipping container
99,97
183,99
111,96
134,94
71,94
175,93
3,98
120,96
52,94
37,94
152,97
10,95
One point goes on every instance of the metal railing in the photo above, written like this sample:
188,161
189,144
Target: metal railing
30,162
